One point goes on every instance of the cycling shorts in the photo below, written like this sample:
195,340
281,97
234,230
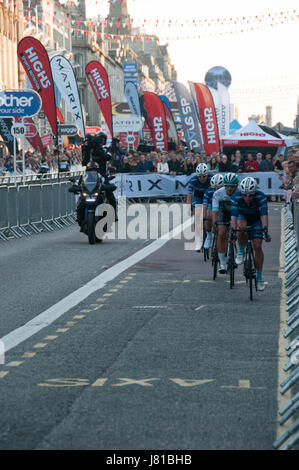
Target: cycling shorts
256,224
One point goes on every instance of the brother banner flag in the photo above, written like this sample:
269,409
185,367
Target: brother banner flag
99,82
66,83
157,121
207,116
35,61
189,118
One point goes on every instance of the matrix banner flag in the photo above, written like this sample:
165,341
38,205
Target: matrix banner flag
66,83
207,116
99,82
35,61
224,115
171,129
5,132
157,121
189,118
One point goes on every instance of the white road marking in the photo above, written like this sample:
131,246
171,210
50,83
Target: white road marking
149,306
46,318
200,307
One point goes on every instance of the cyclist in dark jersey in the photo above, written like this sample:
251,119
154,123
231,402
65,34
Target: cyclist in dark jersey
216,183
197,187
249,208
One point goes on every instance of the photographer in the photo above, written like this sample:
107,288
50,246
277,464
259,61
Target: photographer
93,150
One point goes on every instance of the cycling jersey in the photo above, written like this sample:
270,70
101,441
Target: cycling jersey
221,198
208,196
256,209
198,189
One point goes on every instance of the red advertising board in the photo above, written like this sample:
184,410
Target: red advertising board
129,138
47,140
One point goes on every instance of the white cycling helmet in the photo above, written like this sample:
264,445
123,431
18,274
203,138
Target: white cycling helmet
202,169
248,185
217,181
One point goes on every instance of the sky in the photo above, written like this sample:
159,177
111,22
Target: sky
263,62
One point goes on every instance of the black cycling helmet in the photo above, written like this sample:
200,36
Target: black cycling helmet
92,166
100,138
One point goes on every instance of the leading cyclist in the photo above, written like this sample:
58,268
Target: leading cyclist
221,214
249,208
197,187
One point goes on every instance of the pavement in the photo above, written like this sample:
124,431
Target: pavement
160,358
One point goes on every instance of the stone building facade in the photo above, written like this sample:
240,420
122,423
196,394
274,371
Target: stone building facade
11,31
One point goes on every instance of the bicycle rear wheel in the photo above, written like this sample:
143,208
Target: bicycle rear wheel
214,256
231,264
250,268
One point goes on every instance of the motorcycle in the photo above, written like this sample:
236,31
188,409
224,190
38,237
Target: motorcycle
92,192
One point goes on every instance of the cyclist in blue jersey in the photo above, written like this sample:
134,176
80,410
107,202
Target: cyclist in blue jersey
216,183
197,187
249,208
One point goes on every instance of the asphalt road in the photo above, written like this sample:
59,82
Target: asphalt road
160,358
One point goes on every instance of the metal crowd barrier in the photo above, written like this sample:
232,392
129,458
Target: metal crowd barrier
38,177
32,208
291,436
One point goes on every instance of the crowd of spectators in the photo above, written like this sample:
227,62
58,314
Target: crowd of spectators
36,163
172,163
185,163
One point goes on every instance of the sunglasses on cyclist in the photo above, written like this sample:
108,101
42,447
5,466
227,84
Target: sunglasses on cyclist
248,195
230,185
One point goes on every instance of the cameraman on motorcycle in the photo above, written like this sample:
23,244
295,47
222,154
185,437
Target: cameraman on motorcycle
93,151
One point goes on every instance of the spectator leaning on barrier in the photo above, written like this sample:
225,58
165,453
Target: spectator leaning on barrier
125,166
292,173
295,190
259,159
150,163
143,164
224,164
174,164
251,165
163,166
196,161
214,165
267,164
188,166
278,164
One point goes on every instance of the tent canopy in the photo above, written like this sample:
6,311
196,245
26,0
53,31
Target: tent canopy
252,135
234,126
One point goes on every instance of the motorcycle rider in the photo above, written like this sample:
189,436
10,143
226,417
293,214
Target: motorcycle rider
93,150
91,166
